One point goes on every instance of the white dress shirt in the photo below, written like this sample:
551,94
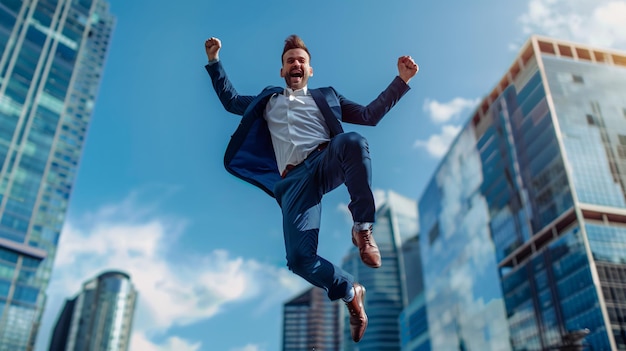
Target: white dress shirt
296,125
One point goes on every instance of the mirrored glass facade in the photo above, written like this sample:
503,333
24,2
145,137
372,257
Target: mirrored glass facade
589,97
51,59
413,320
414,326
99,318
523,225
386,296
463,296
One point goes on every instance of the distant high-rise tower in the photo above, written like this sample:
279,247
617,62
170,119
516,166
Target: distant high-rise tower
524,221
386,290
52,54
413,320
99,318
311,322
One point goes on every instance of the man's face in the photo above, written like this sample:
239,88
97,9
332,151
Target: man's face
296,68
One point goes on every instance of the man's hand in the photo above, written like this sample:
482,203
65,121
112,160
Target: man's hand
407,68
212,46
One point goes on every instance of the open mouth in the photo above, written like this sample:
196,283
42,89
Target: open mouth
296,74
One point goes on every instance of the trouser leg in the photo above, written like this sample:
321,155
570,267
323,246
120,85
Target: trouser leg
347,160
299,197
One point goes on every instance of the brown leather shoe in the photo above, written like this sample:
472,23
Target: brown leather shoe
364,240
358,318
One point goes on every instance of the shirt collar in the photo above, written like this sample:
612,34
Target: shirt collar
300,92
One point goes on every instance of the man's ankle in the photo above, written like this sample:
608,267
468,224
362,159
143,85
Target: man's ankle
349,295
359,226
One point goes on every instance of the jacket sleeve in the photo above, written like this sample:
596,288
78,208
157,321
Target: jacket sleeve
230,99
371,114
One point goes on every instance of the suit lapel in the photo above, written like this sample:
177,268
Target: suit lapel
320,97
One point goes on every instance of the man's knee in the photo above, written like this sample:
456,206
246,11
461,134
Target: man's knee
353,139
300,263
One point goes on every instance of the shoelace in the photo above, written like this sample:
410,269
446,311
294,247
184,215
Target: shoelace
365,236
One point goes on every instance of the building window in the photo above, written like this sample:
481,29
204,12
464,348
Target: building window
577,79
590,120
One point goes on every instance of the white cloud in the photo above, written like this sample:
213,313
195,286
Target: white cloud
249,347
140,241
442,112
141,342
437,145
598,22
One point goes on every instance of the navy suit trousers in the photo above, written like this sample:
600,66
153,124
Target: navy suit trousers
346,160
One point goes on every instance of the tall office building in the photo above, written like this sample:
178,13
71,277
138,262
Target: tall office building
51,59
524,221
414,326
413,320
412,259
311,322
386,289
99,318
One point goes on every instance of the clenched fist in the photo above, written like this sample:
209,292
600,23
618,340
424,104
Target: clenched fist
212,47
407,68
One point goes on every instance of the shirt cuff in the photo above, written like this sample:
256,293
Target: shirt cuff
213,61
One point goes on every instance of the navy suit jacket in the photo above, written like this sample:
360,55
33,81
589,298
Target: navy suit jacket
250,154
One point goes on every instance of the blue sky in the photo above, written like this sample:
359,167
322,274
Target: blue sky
203,248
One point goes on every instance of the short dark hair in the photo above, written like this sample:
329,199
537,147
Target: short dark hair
294,42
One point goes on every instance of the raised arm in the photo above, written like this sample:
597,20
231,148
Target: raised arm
230,99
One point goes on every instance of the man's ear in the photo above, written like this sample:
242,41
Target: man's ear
282,74
310,71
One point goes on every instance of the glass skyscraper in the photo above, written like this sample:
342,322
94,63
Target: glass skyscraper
414,326
99,318
311,322
386,287
413,320
523,225
51,59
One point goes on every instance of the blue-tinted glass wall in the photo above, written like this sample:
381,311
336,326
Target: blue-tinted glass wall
537,176
526,188
413,319
588,89
589,102
556,286
51,58
463,297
